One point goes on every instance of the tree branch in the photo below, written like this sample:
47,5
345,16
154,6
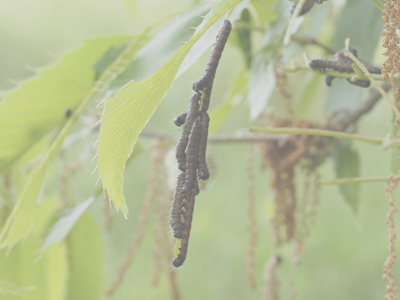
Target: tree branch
222,138
358,180
391,103
296,67
322,132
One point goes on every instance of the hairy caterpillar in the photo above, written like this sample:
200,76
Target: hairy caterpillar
187,127
180,120
341,63
206,81
176,210
204,174
187,225
307,6
191,185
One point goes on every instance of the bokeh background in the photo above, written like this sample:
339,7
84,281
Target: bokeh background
345,251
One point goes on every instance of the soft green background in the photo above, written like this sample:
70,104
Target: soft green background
344,255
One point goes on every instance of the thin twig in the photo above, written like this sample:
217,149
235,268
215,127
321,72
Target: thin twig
355,114
379,4
296,13
222,138
322,132
296,67
374,82
357,180
310,41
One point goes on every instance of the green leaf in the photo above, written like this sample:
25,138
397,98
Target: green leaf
66,222
261,84
38,105
20,221
126,114
208,38
32,274
347,165
364,33
235,95
85,249
160,48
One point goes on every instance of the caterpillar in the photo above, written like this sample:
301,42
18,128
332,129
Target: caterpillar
207,79
203,173
187,225
176,210
360,83
187,127
191,185
329,79
307,6
341,63
180,120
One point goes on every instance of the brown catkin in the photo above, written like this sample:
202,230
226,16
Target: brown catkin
156,160
391,23
160,195
388,273
251,219
271,280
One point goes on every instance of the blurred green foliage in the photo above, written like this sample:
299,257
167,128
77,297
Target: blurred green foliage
344,254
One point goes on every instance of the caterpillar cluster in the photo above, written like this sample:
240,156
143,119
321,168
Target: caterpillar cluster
307,6
341,63
191,148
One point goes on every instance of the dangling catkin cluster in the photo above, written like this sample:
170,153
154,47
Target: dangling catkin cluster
388,273
251,219
391,23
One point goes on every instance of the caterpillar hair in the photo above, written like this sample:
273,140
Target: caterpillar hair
187,127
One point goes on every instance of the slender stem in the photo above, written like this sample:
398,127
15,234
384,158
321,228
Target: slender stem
310,41
221,138
339,181
379,4
296,13
374,82
228,14
296,67
310,131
